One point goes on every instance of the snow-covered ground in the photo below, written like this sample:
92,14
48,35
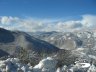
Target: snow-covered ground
83,65
45,65
14,65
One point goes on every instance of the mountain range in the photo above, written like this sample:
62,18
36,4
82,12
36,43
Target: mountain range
66,47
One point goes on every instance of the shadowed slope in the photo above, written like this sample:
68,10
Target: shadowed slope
6,36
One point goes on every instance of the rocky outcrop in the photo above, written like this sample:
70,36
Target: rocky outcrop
48,64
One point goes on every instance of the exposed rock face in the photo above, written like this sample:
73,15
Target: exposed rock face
69,44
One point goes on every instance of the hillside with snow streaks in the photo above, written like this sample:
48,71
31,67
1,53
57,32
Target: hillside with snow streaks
68,40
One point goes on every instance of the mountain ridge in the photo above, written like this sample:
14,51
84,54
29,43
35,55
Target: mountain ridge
23,40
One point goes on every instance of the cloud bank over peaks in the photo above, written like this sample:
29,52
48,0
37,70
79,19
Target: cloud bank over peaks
32,25
89,21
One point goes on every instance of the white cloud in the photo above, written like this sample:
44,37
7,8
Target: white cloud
30,24
89,21
8,20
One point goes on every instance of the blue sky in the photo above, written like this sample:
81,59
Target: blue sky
48,15
47,8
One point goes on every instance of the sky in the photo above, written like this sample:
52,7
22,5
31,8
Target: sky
47,15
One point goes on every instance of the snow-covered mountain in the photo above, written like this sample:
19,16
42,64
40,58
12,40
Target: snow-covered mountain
68,40
68,51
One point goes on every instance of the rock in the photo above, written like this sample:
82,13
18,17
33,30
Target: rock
92,69
46,65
